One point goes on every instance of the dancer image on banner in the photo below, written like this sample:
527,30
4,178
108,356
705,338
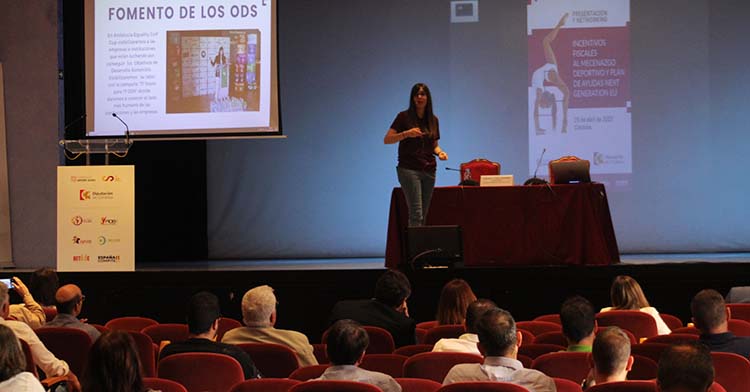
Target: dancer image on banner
549,73
222,78
417,132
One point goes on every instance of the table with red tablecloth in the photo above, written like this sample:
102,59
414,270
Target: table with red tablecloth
517,225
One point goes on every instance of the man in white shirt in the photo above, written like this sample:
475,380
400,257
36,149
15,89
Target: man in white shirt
42,357
467,343
498,342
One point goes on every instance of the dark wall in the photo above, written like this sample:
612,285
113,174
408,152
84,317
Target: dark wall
29,53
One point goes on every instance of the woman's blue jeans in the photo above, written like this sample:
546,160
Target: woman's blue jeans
417,186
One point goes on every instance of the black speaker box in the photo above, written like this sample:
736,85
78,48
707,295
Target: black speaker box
429,246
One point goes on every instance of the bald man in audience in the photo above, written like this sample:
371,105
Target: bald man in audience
711,316
69,305
610,357
259,316
685,367
42,357
499,342
467,343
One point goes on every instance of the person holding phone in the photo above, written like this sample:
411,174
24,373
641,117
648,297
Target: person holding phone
417,131
29,312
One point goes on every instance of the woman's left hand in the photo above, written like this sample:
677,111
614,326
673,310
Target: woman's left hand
443,156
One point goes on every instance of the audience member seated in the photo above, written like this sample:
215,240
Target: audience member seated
610,357
739,295
69,305
346,344
498,342
259,316
578,321
51,366
388,310
454,299
30,312
43,285
686,367
467,343
711,315
12,365
203,322
113,365
626,294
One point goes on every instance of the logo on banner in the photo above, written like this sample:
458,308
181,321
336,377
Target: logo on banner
598,158
80,241
110,179
107,221
79,220
107,259
601,159
80,258
84,194
102,240
82,179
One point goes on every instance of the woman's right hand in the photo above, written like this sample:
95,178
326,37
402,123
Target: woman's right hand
20,288
414,132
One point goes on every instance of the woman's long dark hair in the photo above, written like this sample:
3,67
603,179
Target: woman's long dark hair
113,365
454,299
12,360
428,124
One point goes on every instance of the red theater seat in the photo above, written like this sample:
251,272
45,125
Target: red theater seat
130,323
435,366
265,385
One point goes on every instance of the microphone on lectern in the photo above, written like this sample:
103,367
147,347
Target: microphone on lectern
535,180
127,129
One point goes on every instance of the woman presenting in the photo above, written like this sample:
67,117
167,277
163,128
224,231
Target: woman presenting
417,132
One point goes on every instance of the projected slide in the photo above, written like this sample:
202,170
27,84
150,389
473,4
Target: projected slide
182,67
579,85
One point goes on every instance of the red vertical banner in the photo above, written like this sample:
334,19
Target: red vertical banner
579,84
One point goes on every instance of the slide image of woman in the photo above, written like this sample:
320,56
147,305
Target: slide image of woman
220,63
549,73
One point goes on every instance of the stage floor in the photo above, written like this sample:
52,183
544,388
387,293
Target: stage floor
378,263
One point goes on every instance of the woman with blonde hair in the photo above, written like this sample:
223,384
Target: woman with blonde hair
626,294
454,299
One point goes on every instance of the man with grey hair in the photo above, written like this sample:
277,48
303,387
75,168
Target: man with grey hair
42,357
259,316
